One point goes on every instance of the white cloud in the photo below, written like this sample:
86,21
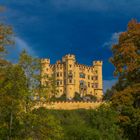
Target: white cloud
107,84
113,40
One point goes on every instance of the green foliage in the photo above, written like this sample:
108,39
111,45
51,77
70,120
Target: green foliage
13,92
38,124
126,54
109,93
31,68
17,120
18,83
125,95
127,102
90,98
6,34
61,98
100,124
102,119
51,88
77,97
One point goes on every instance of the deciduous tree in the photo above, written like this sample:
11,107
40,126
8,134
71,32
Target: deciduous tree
126,93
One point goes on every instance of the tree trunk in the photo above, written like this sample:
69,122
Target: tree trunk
10,126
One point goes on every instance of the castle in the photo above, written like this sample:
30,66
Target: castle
72,77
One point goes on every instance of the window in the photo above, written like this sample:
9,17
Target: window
82,83
57,74
88,77
96,77
70,75
96,85
81,68
70,80
60,73
88,84
57,83
70,65
60,82
82,75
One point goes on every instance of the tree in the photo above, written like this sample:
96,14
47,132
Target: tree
126,54
127,103
41,126
104,121
13,92
6,34
18,84
100,124
50,87
31,68
18,119
125,94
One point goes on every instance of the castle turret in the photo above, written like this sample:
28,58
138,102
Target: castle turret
69,79
45,69
98,79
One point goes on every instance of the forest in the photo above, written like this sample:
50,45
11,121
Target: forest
118,119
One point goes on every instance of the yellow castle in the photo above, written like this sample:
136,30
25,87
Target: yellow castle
72,77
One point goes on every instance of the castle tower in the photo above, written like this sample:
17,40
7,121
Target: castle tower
98,83
45,70
69,75
59,78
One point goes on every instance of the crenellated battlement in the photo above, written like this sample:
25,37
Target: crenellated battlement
69,56
83,66
97,63
69,105
58,62
45,61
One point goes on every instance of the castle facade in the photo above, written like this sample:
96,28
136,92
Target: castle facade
72,77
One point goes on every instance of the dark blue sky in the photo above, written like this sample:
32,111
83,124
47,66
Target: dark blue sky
86,28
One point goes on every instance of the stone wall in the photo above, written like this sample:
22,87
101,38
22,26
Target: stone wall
69,105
